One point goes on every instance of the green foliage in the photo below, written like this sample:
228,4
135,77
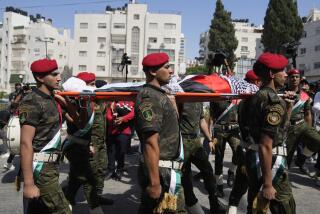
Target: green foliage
197,70
282,24
222,34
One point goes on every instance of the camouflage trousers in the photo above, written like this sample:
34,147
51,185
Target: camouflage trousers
52,199
148,204
284,202
195,154
81,174
304,134
98,164
233,138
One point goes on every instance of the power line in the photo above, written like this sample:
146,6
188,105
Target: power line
67,4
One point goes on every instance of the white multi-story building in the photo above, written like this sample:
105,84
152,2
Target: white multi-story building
24,39
101,39
249,45
308,59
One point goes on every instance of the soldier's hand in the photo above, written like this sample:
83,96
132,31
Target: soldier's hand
212,145
31,191
61,100
92,150
269,192
118,121
289,96
154,191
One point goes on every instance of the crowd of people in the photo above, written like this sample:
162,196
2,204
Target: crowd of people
264,132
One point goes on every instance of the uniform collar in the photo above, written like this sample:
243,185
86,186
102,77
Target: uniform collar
155,88
43,95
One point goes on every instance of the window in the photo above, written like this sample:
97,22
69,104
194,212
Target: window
119,25
303,51
317,48
316,65
135,36
152,40
302,67
169,40
153,25
245,30
118,39
83,25
83,39
101,39
244,48
136,16
102,25
101,54
60,56
101,68
244,39
82,67
82,53
169,26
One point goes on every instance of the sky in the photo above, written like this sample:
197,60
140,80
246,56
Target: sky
196,14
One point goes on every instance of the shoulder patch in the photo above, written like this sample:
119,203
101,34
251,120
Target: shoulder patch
146,111
277,108
23,117
274,118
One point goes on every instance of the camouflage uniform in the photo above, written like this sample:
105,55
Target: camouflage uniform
99,161
267,115
226,129
39,110
300,132
81,170
191,115
155,113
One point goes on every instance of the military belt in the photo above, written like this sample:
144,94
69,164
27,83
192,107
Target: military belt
226,127
297,122
278,150
43,157
78,140
170,164
189,136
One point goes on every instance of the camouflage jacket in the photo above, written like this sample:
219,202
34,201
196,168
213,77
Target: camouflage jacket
40,110
154,112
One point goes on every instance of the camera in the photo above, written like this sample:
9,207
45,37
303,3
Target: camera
125,60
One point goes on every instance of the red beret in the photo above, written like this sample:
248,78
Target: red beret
293,71
250,75
273,61
87,76
43,66
155,59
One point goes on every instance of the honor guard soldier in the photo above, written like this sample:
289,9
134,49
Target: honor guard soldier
240,186
191,122
82,149
41,119
263,121
156,122
301,135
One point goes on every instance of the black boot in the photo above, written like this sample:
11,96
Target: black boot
220,192
110,174
197,176
118,174
67,195
217,206
303,169
230,179
104,200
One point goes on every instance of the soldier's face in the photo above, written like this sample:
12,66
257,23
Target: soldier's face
280,78
52,80
294,79
163,75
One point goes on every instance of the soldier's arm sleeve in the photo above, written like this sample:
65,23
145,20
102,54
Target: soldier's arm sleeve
29,113
148,115
272,118
201,111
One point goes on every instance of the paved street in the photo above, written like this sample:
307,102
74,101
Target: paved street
126,192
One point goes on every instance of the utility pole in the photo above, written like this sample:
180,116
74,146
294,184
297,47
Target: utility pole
45,40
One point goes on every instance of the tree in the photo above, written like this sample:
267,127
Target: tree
197,70
222,34
282,25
